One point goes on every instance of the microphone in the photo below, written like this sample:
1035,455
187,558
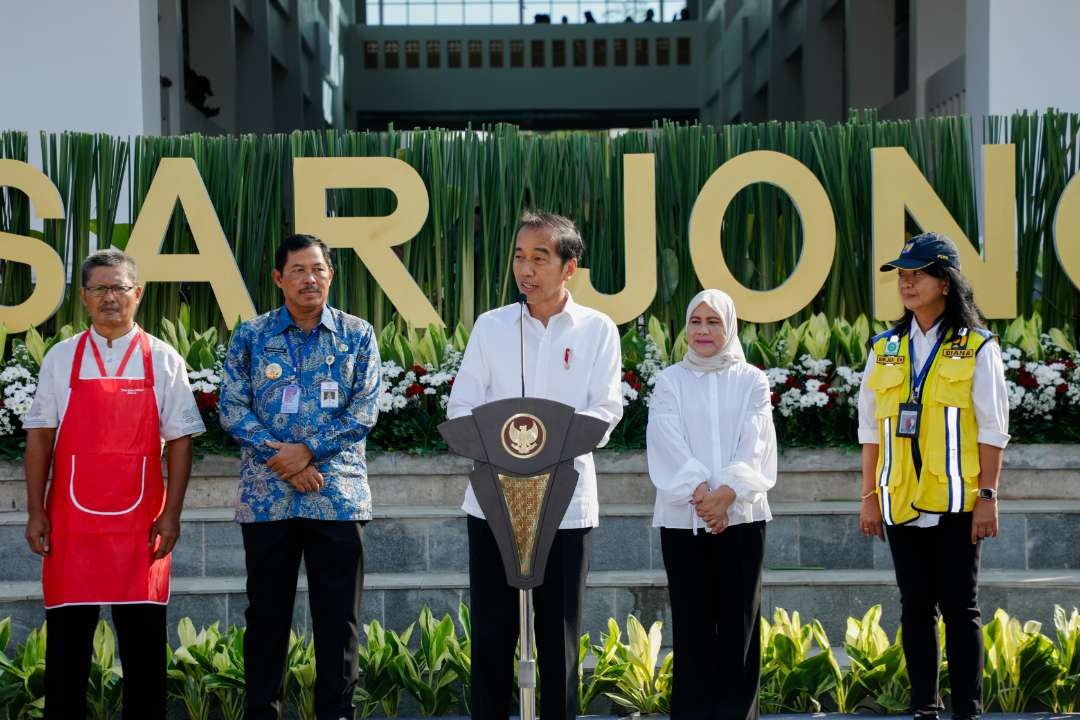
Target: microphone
520,300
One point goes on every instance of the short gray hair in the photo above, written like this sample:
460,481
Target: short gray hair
567,238
110,257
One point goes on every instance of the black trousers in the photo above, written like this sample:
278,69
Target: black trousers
938,569
333,555
557,622
714,581
141,638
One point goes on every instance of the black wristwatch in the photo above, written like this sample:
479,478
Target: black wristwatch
986,494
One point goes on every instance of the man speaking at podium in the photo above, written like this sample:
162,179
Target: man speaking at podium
557,350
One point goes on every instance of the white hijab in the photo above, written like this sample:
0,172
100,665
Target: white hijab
732,352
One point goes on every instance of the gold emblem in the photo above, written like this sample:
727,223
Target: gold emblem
523,436
273,371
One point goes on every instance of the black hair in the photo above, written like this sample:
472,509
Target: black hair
109,257
294,243
960,308
567,238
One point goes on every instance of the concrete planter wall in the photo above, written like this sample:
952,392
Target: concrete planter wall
416,550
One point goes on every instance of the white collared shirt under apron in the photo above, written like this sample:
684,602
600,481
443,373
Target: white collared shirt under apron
990,397
177,411
716,428
576,359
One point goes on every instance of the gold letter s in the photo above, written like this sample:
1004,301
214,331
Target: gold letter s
48,290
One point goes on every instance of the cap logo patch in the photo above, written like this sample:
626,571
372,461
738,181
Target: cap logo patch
908,247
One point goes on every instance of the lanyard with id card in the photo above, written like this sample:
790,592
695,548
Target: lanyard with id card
910,418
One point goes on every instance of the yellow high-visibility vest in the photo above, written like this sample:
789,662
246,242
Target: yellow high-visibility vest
948,431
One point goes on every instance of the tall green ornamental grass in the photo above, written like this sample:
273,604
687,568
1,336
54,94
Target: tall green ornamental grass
479,181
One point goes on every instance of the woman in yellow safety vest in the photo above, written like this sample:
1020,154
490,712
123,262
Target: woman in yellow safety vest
933,423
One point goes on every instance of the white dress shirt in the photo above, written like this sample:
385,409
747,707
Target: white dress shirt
716,428
990,397
576,359
177,412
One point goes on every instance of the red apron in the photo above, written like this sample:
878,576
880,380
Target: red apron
107,489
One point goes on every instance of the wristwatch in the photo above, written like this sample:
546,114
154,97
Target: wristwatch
986,494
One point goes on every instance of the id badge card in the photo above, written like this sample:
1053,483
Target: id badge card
907,425
328,394
290,399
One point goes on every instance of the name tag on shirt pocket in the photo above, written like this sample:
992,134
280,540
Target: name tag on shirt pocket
329,394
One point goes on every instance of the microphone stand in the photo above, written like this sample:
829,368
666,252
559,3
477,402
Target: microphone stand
526,664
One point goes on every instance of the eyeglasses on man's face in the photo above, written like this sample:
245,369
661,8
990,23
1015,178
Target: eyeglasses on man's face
100,291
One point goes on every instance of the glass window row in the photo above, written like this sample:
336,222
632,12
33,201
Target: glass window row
541,53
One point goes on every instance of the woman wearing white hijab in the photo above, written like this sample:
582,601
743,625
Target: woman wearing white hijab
712,457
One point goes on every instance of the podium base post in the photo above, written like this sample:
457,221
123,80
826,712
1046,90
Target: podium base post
526,664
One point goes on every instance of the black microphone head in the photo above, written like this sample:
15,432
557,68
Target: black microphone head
521,298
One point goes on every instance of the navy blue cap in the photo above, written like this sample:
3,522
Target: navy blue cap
925,250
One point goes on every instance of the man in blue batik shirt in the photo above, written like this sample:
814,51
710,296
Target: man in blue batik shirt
301,384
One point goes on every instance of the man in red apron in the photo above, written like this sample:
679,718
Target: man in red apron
107,401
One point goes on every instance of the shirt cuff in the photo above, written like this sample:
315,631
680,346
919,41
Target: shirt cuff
993,437
868,436
193,432
745,481
687,478
39,425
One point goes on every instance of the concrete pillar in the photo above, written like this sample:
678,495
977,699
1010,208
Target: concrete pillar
1021,56
79,66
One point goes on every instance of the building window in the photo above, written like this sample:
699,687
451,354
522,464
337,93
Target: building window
537,53
517,53
620,52
495,53
599,53
434,54
453,53
641,51
371,54
580,57
901,47
412,54
682,51
558,53
663,51
390,54
476,53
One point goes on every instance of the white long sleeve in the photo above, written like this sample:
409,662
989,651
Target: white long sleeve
715,428
672,466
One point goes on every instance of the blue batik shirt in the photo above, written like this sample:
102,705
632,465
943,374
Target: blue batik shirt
266,355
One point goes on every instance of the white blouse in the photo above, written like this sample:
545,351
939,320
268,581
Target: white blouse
716,428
